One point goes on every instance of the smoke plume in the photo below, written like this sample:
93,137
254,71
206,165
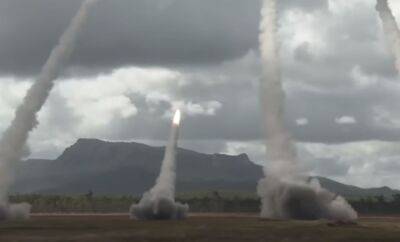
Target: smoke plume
390,28
13,142
286,193
159,202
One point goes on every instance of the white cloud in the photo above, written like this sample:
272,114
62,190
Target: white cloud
209,108
363,80
92,104
304,27
204,108
254,149
11,94
346,120
302,122
100,100
89,107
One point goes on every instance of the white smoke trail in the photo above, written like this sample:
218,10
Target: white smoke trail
284,192
280,146
390,28
159,202
15,137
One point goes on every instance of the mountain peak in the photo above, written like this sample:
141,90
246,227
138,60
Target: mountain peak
89,140
131,168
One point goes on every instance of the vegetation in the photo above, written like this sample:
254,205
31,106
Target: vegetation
377,205
200,202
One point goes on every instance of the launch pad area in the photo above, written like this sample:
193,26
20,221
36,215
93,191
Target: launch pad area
198,227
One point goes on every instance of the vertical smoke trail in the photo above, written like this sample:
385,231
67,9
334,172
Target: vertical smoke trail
15,137
284,192
159,202
390,28
165,184
281,151
280,145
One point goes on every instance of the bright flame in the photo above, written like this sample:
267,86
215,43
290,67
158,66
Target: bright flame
177,117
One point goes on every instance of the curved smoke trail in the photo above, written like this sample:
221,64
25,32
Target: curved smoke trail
390,28
159,202
15,137
284,192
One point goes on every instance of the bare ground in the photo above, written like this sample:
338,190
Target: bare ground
199,227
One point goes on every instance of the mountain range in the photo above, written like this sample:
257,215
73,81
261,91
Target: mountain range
121,168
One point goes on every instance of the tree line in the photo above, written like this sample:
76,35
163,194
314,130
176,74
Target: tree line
208,202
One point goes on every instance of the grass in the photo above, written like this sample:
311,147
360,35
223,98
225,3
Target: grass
195,229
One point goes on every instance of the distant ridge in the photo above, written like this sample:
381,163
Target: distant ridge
123,168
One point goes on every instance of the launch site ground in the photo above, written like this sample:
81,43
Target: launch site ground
221,228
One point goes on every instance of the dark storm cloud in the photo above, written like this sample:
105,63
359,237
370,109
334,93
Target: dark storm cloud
126,32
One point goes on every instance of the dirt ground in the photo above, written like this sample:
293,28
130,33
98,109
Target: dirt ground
199,227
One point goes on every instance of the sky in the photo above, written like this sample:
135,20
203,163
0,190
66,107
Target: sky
138,60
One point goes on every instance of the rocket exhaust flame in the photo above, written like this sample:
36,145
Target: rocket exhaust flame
159,202
284,193
15,137
177,117
391,29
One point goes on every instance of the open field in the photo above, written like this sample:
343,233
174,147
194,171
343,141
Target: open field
115,228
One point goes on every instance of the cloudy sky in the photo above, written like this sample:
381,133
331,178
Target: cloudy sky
139,59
